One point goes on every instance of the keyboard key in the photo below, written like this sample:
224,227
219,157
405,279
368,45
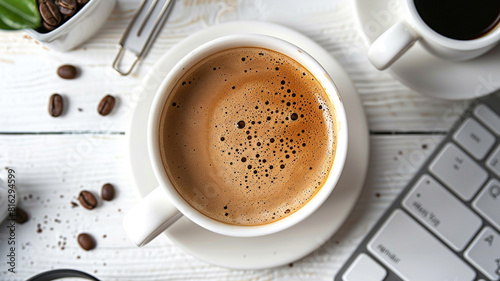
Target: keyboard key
484,253
413,253
493,162
442,213
487,203
488,117
364,268
458,171
474,138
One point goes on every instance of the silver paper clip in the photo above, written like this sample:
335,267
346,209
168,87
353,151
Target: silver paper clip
142,31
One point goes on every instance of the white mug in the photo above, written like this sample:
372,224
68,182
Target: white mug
399,38
163,206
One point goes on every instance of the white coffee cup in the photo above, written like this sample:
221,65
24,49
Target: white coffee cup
163,206
399,38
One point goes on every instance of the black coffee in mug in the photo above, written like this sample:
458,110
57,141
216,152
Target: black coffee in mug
460,19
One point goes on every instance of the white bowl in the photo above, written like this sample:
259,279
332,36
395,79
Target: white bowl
78,28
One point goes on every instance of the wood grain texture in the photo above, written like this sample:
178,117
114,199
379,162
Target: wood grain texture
28,70
53,169
55,158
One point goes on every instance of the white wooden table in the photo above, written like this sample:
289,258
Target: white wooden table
55,158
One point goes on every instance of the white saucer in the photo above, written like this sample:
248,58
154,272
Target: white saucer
288,245
423,72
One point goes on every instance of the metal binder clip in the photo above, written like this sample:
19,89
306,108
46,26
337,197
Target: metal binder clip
142,31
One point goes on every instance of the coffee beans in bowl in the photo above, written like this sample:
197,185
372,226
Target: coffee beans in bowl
49,12
74,27
55,13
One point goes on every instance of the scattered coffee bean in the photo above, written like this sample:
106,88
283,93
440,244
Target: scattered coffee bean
87,200
55,105
106,105
86,241
21,216
50,13
67,71
108,192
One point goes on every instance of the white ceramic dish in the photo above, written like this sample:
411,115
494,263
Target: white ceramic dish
422,71
78,28
285,246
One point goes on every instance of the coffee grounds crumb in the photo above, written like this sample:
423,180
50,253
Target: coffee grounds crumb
73,204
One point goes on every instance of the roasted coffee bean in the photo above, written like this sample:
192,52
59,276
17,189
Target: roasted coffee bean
21,216
108,192
82,2
67,13
48,27
67,71
86,241
67,4
55,105
106,105
50,13
87,200
67,7
41,1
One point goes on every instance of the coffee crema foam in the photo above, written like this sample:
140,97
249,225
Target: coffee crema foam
247,136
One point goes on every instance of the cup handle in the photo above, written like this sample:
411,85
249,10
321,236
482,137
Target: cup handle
393,43
150,217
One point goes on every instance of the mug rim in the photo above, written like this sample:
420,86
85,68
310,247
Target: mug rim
229,42
472,44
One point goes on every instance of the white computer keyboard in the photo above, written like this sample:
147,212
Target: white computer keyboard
445,226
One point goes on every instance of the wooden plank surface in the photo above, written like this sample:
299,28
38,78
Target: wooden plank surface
28,70
52,170
55,158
